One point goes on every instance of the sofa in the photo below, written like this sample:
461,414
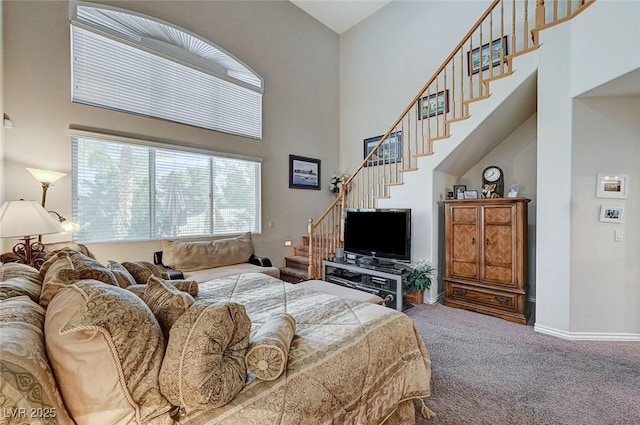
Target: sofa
87,343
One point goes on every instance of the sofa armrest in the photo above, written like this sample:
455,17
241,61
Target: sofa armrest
172,273
260,261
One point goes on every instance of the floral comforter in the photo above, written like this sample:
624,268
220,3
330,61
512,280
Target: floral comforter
349,362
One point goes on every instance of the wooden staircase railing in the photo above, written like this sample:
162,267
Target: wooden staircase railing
507,29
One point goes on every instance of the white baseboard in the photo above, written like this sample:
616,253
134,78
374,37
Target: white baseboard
587,336
435,300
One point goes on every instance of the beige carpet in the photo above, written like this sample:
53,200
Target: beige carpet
489,371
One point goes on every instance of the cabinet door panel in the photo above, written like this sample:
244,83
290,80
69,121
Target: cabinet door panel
498,246
464,242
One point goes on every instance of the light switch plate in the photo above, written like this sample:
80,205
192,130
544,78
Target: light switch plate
618,235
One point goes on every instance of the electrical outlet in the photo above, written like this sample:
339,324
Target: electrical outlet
287,243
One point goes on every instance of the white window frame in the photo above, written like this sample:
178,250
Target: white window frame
154,146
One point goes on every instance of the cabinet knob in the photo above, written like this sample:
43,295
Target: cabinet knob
487,242
501,300
458,291
473,241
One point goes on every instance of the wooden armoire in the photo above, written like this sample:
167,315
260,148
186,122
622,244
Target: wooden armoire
486,256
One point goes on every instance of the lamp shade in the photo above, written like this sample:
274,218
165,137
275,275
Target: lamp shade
26,218
45,176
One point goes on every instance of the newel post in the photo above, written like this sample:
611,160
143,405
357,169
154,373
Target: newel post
539,13
310,270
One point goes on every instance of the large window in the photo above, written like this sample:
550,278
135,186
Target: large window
131,191
134,63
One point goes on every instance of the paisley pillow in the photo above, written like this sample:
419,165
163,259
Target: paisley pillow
269,348
166,302
143,270
122,275
204,364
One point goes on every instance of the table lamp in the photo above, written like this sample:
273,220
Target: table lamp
24,219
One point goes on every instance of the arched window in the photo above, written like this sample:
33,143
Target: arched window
133,63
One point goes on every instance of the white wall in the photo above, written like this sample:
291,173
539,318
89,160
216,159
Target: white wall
2,177
516,156
386,59
297,56
605,274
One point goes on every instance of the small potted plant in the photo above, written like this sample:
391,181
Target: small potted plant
335,183
418,280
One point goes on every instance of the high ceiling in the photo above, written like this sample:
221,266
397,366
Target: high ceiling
340,15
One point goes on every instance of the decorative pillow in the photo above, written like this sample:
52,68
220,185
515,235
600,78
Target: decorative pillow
26,381
143,270
49,270
117,341
188,286
204,365
137,289
269,349
122,275
19,279
11,270
189,256
166,302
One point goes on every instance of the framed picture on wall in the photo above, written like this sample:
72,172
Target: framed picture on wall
610,214
490,56
389,152
432,105
612,185
304,173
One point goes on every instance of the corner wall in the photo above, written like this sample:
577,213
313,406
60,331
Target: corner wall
605,274
296,55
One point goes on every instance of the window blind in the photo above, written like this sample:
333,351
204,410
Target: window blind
111,74
127,192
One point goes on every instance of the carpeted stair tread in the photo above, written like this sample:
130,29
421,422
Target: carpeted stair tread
297,260
291,271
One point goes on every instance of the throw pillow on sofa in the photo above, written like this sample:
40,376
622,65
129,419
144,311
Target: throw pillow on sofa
99,333
49,270
19,279
26,380
190,256
204,364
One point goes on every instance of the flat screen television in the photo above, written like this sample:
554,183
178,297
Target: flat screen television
379,232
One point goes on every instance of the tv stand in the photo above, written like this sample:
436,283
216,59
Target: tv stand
382,280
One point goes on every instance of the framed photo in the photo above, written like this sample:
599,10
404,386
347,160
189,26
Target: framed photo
612,185
458,191
389,153
490,55
470,194
513,191
434,104
304,173
610,214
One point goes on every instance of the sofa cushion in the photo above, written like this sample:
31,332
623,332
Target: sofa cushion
19,279
167,303
26,380
143,270
188,256
269,348
204,364
122,275
118,342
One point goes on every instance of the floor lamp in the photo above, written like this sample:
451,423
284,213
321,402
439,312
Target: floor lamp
25,219
46,178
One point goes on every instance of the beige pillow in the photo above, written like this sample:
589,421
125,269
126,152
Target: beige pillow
143,270
56,263
204,367
188,286
19,279
269,348
189,256
26,380
166,302
106,350
122,275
